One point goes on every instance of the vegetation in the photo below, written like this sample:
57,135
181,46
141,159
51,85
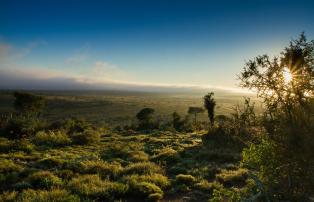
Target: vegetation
243,155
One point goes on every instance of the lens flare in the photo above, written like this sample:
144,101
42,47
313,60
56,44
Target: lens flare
287,75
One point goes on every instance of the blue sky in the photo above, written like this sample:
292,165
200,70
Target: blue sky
143,43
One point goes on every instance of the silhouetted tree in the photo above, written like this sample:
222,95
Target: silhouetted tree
28,104
145,118
285,84
177,122
209,104
194,111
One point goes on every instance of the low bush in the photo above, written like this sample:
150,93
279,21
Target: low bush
167,155
71,126
137,156
9,196
91,186
232,177
44,180
86,137
142,168
104,169
157,179
53,195
21,127
47,163
51,139
155,197
7,145
185,179
143,189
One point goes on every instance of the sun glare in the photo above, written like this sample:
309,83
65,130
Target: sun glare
287,75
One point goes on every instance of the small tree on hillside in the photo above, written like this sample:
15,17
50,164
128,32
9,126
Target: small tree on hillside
194,111
209,104
28,104
145,118
177,122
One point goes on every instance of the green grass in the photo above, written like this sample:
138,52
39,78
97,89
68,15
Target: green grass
103,164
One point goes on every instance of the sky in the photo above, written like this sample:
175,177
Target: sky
142,45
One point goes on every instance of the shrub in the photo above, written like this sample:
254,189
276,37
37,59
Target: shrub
142,168
224,194
86,137
9,196
5,145
71,126
51,139
185,179
44,180
155,197
23,145
143,189
137,156
232,177
51,162
157,179
53,195
93,187
167,155
203,185
9,166
20,126
104,169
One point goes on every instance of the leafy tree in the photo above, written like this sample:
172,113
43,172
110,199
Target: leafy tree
145,118
194,111
209,104
285,84
28,104
177,122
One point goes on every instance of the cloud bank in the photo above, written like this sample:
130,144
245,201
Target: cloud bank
100,75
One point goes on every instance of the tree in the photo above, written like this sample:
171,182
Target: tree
285,84
177,122
209,104
145,118
28,104
194,111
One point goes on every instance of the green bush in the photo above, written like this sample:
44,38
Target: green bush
155,197
143,189
52,162
142,168
157,179
232,177
185,179
51,139
137,156
5,145
53,195
9,196
86,137
104,169
167,155
44,180
223,194
71,126
20,127
91,186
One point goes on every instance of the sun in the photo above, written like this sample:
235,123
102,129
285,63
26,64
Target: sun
287,75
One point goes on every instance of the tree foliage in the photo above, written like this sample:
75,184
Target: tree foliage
209,104
28,104
286,86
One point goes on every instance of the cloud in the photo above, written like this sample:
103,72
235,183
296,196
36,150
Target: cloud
80,55
98,75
